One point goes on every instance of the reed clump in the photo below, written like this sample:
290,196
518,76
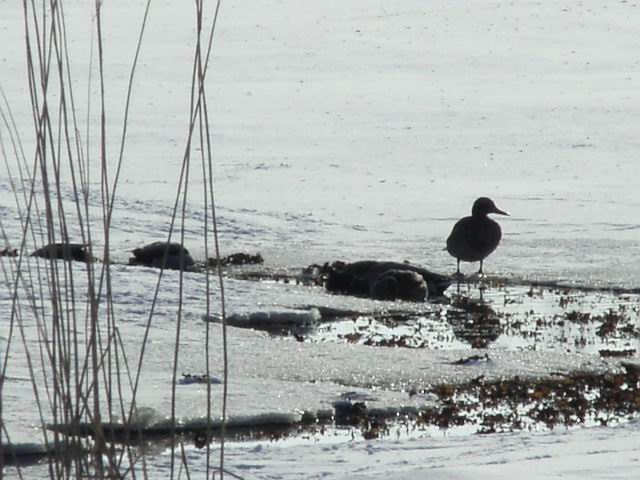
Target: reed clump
62,327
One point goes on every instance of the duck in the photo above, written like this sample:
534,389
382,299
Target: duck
474,238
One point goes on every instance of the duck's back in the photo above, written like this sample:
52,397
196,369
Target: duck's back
474,238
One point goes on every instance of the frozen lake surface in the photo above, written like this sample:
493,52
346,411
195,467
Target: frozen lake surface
349,131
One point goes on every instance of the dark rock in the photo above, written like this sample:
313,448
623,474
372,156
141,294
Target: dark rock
384,280
161,254
399,284
64,251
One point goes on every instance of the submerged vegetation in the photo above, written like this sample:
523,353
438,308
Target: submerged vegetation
68,342
477,407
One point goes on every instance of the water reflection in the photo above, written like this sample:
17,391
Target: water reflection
473,321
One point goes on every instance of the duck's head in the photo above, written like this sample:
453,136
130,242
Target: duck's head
484,206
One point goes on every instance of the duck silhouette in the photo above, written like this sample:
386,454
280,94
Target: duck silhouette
474,238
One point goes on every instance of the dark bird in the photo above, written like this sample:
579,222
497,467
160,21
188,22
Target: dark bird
474,238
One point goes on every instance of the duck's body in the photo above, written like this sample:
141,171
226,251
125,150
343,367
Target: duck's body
475,237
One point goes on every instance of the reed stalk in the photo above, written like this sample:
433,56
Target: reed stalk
63,320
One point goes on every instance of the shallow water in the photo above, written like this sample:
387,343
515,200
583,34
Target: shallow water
357,131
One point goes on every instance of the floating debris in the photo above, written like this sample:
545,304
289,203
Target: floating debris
189,379
237,259
285,322
472,360
629,352
267,276
578,317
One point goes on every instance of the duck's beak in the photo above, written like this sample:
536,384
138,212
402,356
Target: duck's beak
499,212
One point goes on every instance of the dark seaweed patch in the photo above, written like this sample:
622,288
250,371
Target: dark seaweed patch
525,317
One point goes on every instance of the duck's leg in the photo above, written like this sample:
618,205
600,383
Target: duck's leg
480,272
458,276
